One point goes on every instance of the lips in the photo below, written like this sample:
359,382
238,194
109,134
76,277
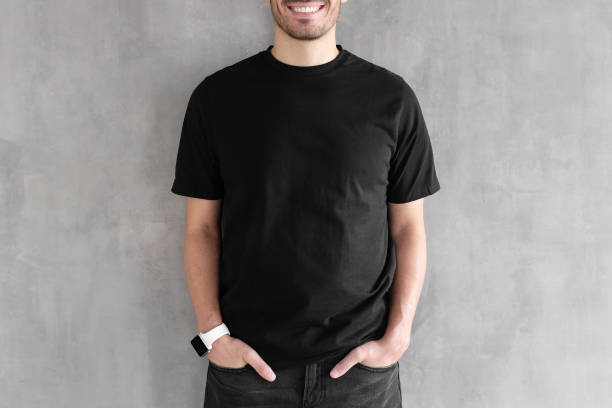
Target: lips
305,9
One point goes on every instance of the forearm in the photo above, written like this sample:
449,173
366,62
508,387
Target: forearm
411,254
202,275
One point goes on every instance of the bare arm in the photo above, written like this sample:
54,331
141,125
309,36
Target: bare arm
408,231
202,245
201,254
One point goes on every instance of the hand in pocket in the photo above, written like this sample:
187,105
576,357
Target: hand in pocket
231,352
375,355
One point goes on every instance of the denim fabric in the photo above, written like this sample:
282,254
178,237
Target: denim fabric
304,387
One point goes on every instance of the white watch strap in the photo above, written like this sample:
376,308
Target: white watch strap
210,336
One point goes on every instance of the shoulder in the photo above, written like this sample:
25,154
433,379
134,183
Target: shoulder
230,74
387,82
382,75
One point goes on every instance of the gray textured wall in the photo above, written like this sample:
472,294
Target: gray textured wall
518,98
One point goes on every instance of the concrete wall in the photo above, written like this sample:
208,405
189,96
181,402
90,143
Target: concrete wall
518,98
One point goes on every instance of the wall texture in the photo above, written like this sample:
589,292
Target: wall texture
518,98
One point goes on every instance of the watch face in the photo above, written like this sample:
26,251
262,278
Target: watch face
199,346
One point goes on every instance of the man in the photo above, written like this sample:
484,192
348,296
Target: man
305,168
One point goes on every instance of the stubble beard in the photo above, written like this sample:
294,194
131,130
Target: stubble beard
307,32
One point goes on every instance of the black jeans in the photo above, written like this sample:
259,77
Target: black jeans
304,387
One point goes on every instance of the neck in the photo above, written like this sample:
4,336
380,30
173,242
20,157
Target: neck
304,52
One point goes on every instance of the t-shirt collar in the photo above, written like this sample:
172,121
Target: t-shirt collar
272,62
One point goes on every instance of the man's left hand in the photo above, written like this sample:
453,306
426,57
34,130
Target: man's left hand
375,353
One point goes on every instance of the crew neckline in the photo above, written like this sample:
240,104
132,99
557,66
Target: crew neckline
272,62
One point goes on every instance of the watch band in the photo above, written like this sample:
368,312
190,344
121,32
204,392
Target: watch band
210,336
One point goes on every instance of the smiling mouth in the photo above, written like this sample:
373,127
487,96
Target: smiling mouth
305,9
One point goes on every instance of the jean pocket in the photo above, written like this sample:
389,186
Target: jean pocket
378,369
228,369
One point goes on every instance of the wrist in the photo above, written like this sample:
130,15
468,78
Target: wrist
398,335
203,341
203,327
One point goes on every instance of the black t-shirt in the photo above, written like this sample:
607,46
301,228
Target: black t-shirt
305,160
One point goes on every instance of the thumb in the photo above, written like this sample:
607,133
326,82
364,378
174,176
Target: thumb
352,358
254,359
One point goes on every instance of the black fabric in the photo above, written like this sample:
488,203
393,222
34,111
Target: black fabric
305,160
310,386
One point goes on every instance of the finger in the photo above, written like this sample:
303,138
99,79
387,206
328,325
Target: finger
347,362
259,365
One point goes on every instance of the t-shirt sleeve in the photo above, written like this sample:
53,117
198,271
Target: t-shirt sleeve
412,173
197,171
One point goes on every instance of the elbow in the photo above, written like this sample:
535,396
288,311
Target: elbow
409,233
207,232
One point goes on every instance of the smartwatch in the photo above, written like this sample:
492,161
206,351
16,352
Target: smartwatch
202,342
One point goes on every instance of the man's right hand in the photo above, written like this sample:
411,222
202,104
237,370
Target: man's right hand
228,351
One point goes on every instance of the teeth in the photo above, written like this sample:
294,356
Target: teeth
305,9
